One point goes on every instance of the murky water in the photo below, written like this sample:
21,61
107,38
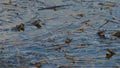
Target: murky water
79,20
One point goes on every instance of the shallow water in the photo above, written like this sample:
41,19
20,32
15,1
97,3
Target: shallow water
47,44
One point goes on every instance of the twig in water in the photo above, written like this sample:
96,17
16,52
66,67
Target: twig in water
107,21
54,7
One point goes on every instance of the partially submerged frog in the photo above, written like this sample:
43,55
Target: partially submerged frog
19,27
101,34
68,40
37,24
117,34
109,54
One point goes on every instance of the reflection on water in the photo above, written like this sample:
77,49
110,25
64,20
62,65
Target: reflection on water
65,34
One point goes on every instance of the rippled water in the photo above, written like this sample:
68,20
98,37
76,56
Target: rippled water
47,45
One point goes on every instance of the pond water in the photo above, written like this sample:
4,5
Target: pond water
79,20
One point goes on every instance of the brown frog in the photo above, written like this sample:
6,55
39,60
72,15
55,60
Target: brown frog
117,34
109,53
20,27
101,34
68,40
37,24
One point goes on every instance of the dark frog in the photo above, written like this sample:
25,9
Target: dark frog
109,54
117,34
101,34
36,23
20,27
68,40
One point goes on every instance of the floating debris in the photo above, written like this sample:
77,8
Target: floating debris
58,48
9,3
18,43
38,65
109,53
100,3
82,44
9,9
81,29
37,23
67,56
117,34
68,40
44,60
65,67
80,15
87,23
22,67
109,5
55,45
19,27
101,34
